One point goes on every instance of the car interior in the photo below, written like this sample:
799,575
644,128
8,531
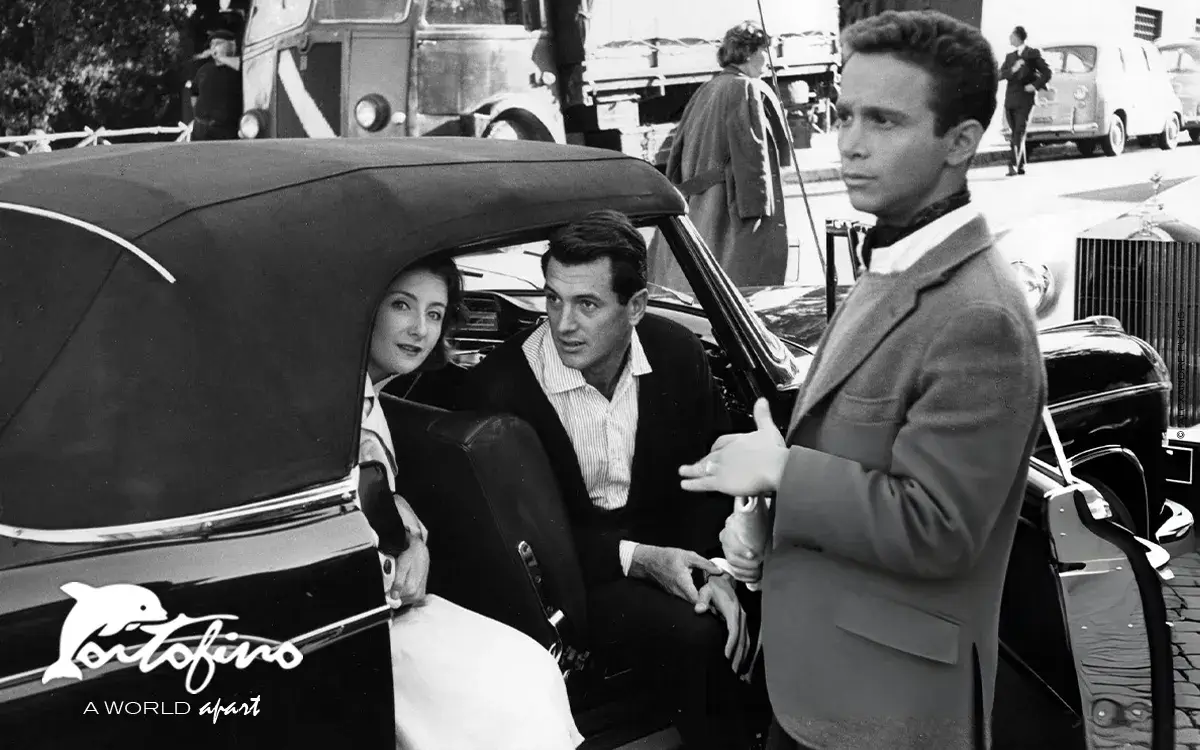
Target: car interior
482,484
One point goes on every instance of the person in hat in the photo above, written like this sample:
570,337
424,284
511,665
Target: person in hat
217,90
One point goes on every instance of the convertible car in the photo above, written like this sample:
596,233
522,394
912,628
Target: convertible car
186,547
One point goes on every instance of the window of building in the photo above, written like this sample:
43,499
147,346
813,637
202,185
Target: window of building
1147,23
466,12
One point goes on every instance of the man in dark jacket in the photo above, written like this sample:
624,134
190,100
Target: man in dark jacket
1027,73
217,90
619,399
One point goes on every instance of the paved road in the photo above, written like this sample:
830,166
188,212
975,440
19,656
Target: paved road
1183,606
1072,191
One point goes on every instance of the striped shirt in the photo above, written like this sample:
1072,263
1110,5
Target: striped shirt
602,432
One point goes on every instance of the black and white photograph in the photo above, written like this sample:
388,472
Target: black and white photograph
600,374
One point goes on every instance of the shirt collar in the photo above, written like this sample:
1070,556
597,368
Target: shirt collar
374,389
559,378
1021,50
903,254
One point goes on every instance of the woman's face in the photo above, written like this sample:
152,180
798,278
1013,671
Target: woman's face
408,324
756,64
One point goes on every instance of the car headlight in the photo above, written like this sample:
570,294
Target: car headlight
252,125
1036,281
372,112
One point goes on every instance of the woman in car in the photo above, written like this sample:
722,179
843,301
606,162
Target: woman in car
461,680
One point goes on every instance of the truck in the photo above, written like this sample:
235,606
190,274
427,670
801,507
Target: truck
609,73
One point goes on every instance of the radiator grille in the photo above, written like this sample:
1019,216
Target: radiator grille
1153,288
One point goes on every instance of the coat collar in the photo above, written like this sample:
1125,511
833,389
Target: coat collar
932,269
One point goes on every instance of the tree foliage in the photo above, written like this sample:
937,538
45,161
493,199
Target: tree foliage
69,63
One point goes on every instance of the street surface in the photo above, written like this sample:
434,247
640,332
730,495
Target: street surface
1183,608
1064,193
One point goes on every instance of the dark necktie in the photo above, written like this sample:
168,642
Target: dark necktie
886,235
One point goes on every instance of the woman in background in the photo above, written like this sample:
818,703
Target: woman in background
726,158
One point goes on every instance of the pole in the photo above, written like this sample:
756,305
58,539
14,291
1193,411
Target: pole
795,164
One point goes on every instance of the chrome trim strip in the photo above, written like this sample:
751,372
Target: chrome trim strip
124,243
1177,527
1112,450
344,490
320,637
1107,396
1064,466
305,643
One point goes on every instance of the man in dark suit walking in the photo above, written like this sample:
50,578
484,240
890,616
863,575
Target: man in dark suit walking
619,399
899,487
1026,72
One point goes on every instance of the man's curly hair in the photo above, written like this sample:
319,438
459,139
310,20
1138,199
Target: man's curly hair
955,54
740,42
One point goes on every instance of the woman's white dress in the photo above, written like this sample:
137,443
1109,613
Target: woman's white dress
463,681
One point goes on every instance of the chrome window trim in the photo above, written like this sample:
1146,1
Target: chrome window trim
121,241
1108,396
201,524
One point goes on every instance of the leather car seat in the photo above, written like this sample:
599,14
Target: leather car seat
499,538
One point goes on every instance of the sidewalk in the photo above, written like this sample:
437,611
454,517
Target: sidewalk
821,163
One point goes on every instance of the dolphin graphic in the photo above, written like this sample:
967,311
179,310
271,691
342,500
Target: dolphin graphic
109,609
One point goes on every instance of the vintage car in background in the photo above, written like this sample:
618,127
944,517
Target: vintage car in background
1103,93
1141,269
179,439
1182,62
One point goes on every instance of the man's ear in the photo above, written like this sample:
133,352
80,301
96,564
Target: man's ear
963,140
637,306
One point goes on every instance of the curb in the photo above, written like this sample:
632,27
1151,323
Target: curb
986,158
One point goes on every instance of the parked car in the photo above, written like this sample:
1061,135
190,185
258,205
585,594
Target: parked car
179,417
1139,268
1182,62
1101,94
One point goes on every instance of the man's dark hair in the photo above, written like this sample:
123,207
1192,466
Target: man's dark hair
740,42
955,55
603,234
1019,31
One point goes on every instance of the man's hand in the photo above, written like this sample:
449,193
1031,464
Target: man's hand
1020,63
745,561
718,596
748,464
671,568
412,574
1031,88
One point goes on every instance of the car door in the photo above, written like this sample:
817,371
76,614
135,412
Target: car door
130,617
1110,584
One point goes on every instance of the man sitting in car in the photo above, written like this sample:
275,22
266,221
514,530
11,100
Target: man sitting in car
619,399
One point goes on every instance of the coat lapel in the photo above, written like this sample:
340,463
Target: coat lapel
651,399
839,357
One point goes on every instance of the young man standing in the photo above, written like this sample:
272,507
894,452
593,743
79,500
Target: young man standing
1026,73
898,489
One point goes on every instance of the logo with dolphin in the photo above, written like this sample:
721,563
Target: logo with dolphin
109,610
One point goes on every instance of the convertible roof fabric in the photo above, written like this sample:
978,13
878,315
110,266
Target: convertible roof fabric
126,398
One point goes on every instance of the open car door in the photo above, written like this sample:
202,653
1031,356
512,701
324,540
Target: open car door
1110,583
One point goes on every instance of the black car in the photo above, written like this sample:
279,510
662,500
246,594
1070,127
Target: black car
180,392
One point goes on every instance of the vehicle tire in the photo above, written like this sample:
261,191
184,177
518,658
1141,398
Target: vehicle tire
1087,147
1121,514
1169,138
1195,134
507,129
1114,143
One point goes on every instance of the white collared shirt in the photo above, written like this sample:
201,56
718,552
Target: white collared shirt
602,431
1020,50
375,439
902,255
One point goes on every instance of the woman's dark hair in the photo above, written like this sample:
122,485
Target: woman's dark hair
740,42
447,271
603,234
955,54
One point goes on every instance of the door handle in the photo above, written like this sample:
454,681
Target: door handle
426,42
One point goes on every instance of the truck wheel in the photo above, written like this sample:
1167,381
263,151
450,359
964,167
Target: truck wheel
1168,139
1114,143
507,129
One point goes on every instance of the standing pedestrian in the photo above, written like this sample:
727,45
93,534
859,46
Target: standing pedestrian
217,90
1026,72
900,485
726,158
